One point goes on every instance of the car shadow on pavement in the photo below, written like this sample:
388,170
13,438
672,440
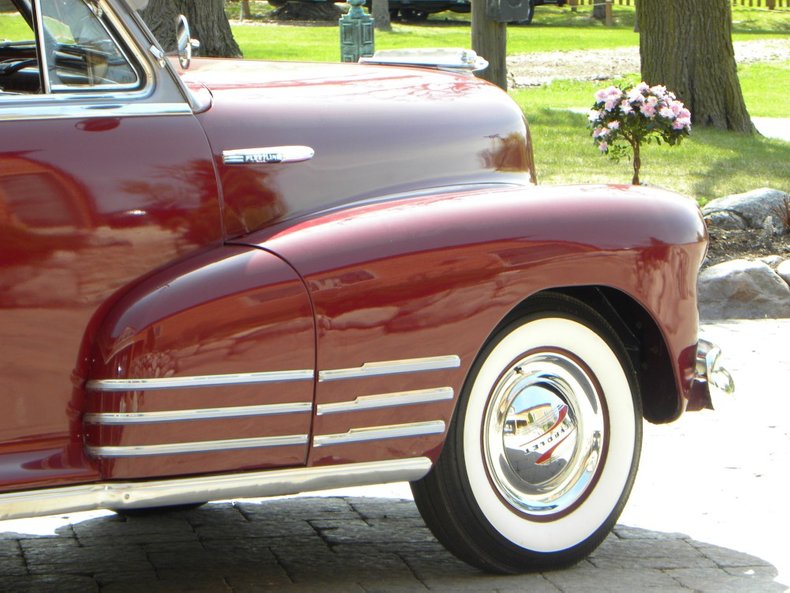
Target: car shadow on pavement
335,544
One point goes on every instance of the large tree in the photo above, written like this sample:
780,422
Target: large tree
489,40
207,21
686,45
380,11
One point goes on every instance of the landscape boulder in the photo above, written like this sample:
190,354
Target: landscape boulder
750,210
743,289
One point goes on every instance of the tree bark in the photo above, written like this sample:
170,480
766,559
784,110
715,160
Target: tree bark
380,11
686,45
207,21
489,40
244,10
599,10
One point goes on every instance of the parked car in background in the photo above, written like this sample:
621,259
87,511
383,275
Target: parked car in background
420,10
238,279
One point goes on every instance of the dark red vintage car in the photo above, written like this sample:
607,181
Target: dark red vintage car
250,279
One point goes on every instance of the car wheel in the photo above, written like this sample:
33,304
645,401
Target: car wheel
414,15
530,13
543,450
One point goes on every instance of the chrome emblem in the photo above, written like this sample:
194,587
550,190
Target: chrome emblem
267,155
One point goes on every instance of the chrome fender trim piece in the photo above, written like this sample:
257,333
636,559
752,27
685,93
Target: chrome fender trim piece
387,400
392,367
195,447
123,418
374,433
198,381
119,495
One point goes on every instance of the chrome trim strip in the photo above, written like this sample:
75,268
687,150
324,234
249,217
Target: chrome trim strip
386,400
195,447
41,50
373,433
54,108
278,482
267,155
113,418
392,367
114,385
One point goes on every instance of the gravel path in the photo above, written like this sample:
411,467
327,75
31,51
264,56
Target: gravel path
536,69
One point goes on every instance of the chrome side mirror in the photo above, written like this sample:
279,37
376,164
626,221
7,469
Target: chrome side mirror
184,43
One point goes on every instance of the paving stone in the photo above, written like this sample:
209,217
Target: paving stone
707,580
180,584
613,581
644,553
12,566
726,558
50,583
628,532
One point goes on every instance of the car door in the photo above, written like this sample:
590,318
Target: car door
107,185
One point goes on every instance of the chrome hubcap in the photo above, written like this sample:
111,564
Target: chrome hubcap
544,434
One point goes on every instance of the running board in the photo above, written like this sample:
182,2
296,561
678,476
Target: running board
278,482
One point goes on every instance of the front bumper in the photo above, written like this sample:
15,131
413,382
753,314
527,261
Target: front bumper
711,379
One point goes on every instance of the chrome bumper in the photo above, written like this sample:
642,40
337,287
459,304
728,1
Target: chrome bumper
710,378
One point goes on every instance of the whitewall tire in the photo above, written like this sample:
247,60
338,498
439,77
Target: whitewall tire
544,447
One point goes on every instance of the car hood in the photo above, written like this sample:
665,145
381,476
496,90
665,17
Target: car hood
374,130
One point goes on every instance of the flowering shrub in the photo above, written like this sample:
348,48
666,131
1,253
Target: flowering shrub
623,118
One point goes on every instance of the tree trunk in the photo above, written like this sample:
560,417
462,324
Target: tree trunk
207,21
489,40
599,10
244,10
380,10
686,45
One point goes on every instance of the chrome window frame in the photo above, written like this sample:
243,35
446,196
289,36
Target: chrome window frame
67,101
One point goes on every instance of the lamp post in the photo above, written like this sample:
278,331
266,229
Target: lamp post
356,33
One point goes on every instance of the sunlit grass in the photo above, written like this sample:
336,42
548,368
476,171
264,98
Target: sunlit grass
707,165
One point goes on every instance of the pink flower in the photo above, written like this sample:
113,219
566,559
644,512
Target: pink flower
659,90
603,147
667,113
648,110
626,108
614,125
600,132
635,96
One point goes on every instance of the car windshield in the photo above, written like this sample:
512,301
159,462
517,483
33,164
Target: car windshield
79,51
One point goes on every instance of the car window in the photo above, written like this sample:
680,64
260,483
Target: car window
78,51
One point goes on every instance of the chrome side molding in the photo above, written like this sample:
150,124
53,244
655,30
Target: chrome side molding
375,433
123,418
387,400
392,367
198,381
130,495
195,447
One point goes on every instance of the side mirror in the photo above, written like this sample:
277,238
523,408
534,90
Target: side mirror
184,44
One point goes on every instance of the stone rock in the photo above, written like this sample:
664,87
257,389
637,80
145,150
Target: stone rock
743,289
772,260
730,221
783,270
750,209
